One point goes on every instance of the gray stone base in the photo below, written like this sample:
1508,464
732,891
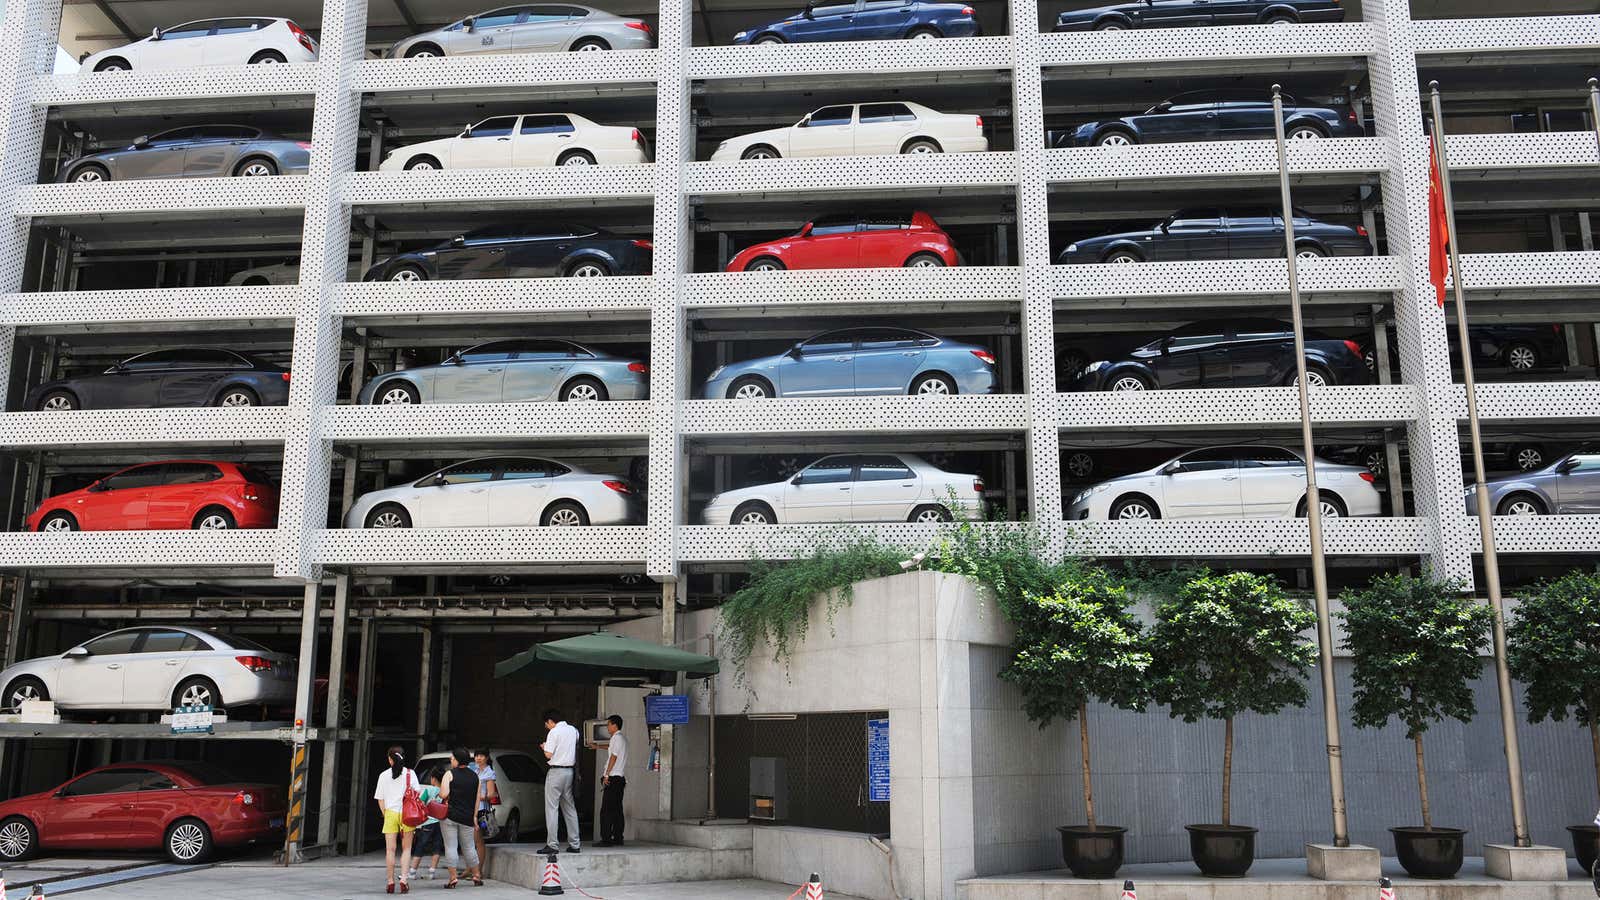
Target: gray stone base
637,863
1325,862
1524,863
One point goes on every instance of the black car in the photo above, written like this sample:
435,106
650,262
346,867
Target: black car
1193,13
1214,116
1225,353
521,251
188,376
1209,233
1515,347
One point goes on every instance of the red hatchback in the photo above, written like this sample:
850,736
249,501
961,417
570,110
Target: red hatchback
854,242
180,493
187,809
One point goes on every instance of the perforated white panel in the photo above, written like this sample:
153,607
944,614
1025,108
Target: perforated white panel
477,186
169,197
1245,406
79,88
1440,36
1334,274
132,427
493,297
1533,401
789,60
1100,48
261,304
1148,161
1541,534
469,421
822,287
240,550
865,415
487,546
1487,271
465,73
852,173
1247,537
1521,152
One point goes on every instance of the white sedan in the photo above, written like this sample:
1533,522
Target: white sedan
1229,482
154,668
862,129
495,492
877,487
210,42
519,781
519,142
283,273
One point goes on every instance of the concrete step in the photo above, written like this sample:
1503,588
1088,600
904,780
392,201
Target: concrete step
636,863
716,834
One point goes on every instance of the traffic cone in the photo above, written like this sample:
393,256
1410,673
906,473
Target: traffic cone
1128,893
38,892
550,885
814,887
2,884
1385,889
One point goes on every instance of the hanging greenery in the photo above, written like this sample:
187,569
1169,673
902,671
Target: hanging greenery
1553,648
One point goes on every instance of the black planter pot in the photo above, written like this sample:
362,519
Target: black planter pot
1092,852
1585,844
1429,854
1222,851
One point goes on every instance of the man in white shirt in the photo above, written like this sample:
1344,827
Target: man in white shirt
615,783
561,749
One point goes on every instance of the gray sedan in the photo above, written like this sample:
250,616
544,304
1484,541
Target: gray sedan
1571,486
515,371
538,28
195,151
859,362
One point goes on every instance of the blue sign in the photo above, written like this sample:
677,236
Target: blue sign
878,760
666,709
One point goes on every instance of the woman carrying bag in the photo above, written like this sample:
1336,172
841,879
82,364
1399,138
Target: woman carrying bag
459,791
397,796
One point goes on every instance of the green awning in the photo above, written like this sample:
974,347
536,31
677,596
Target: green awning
588,658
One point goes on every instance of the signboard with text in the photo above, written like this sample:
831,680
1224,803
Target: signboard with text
666,709
878,760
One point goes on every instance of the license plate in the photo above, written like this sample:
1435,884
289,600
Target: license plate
275,823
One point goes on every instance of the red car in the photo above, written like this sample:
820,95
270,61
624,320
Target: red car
187,809
176,494
854,242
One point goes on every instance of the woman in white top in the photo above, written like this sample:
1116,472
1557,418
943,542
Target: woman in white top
391,795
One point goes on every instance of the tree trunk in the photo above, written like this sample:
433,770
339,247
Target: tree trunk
1083,738
1227,771
1422,784
1594,739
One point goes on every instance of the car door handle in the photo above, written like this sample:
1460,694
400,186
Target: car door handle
908,353
557,368
495,369
563,246
113,665
476,491
1230,478
127,806
497,249
503,139
845,488
174,662
843,359
563,136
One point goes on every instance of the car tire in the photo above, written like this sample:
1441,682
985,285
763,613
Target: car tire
407,274
1309,251
214,518
583,390
751,388
1317,375
753,512
24,687
924,261
576,158
931,384
1522,504
19,838
1110,25
113,64
589,45
768,39
564,514
256,167
396,393
267,58
423,51
238,396
423,162
588,268
921,146
1521,356
1080,464
923,34
761,151
512,832
1135,507
929,512
1279,20
91,173
1332,506
1122,257
765,264
388,515
195,691
187,841
1129,382
1527,457
57,401
1305,132
1115,137
60,520
255,281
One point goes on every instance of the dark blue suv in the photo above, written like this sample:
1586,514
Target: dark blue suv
868,20
1191,13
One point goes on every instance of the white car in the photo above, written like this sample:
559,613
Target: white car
865,487
495,492
862,129
518,778
520,142
1229,482
210,42
155,668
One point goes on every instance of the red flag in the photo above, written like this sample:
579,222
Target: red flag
1438,228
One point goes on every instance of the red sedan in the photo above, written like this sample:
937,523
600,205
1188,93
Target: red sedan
854,242
177,494
187,809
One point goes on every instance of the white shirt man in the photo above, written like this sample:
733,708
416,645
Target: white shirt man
615,781
561,749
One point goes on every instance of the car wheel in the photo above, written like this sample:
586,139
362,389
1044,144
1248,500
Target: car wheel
114,64
1280,20
924,34
1080,465
764,264
59,520
583,390
1376,460
1122,257
91,174
238,396
214,518
565,514
1528,457
58,401
1111,25
1314,376
256,168
921,146
198,691
752,513
389,515
423,51
1309,251
1131,381
1133,509
1115,139
925,261
933,384
512,832
760,151
929,513
18,838
396,393
769,39
750,388
1305,133
408,273
1332,507
589,45
588,268
1521,357
267,58
422,164
23,689
188,841
1520,505
576,158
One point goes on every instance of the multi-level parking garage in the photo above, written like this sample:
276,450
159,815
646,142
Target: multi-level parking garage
404,624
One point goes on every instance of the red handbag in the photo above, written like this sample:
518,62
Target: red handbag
412,812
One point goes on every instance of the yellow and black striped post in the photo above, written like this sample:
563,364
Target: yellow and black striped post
295,825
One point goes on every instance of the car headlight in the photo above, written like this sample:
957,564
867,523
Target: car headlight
1095,366
715,372
1072,248
1088,492
740,35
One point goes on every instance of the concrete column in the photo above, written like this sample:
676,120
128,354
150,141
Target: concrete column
327,810
299,783
669,637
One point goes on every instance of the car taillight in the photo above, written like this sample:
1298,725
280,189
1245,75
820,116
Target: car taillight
303,145
968,11
249,493
977,485
621,487
1354,347
636,138
1556,328
979,120
641,368
285,376
984,355
644,245
1361,230
1368,477
255,663
301,36
244,798
639,25
1350,114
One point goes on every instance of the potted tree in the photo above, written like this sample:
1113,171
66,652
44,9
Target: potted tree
1225,645
1553,648
1415,645
1081,643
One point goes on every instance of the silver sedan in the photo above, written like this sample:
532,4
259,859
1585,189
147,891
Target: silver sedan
195,151
528,29
500,492
515,371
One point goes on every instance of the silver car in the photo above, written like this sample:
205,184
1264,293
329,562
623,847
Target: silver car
1570,486
851,487
859,362
515,371
500,492
195,151
533,28
155,668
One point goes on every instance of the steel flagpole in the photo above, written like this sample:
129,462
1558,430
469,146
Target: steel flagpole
1319,565
1491,560
1594,108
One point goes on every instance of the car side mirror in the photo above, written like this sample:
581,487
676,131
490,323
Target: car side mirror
440,481
96,488
459,240
1172,468
155,34
1567,465
115,370
797,478
1166,344
810,11
806,230
805,121
1166,227
468,24
142,141
797,351
454,359
79,652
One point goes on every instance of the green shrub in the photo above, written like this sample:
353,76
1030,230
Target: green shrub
1553,648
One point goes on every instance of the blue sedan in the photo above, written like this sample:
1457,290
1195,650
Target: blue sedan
1191,13
1216,116
858,362
868,20
515,371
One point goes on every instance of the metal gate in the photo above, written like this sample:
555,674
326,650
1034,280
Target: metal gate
826,755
